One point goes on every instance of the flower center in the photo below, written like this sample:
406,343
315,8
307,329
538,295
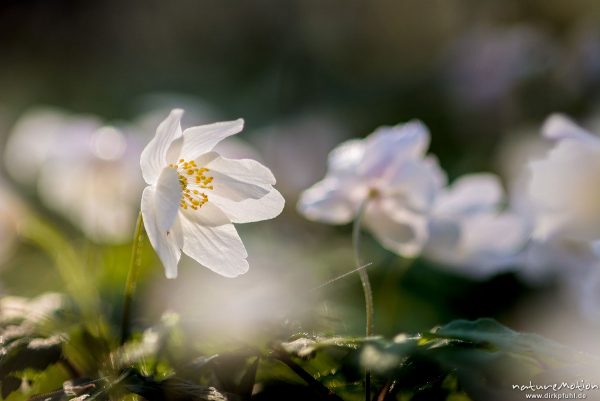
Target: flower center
193,181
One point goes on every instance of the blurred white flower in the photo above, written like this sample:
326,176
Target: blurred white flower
573,264
389,168
82,170
194,195
541,259
564,187
469,230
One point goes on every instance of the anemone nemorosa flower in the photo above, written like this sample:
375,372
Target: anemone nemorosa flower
564,187
391,170
194,195
470,232
91,178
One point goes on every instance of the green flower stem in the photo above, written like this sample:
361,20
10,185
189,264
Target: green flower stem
364,277
132,277
366,285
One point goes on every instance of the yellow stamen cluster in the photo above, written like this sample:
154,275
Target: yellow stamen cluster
192,179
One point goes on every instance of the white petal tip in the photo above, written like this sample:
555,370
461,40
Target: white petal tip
171,273
559,126
237,125
239,270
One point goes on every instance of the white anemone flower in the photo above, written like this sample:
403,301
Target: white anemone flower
91,178
470,232
194,195
390,171
564,187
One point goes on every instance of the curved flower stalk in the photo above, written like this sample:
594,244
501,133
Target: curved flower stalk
384,182
564,189
470,232
390,168
194,195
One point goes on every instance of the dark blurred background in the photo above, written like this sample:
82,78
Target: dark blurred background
470,69
474,71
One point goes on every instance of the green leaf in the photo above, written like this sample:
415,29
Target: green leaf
481,359
26,353
172,389
488,333
306,347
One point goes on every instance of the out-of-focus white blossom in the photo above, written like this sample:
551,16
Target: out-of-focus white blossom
541,259
571,262
194,195
469,231
564,187
82,169
390,169
564,205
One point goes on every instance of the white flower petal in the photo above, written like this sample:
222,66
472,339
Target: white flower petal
245,170
543,260
167,198
238,180
444,239
414,183
470,194
208,214
202,139
564,192
217,247
327,201
400,231
549,226
477,245
346,157
154,155
560,127
494,236
387,145
166,245
249,210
